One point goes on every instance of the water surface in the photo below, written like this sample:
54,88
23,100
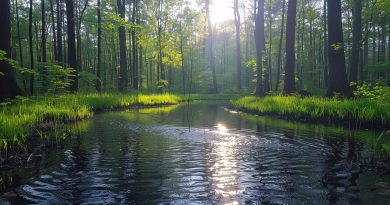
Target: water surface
202,154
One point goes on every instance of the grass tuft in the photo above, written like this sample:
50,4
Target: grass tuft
20,118
360,111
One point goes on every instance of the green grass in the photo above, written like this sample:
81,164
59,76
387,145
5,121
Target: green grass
360,111
19,119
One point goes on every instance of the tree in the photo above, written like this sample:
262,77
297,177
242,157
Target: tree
357,38
8,86
99,49
19,41
280,47
123,75
210,49
43,46
59,32
260,44
289,78
31,47
338,82
72,59
237,20
135,46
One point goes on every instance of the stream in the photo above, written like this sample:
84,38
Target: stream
202,153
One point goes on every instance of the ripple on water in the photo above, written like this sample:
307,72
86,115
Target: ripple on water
140,163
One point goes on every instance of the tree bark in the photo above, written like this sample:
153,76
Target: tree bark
280,48
43,46
59,33
357,37
338,82
123,74
289,78
20,42
53,30
72,59
30,41
99,49
8,86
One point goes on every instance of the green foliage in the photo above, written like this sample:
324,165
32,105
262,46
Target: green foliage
87,81
377,92
162,85
58,78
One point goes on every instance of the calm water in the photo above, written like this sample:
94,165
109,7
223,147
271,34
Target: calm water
202,154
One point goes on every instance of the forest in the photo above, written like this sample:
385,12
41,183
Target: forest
154,79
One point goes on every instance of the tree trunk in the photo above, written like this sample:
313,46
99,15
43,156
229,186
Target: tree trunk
357,37
123,75
338,82
237,20
99,49
43,46
30,39
289,78
280,48
260,42
268,73
59,33
8,86
20,43
72,60
326,70
135,47
53,30
211,48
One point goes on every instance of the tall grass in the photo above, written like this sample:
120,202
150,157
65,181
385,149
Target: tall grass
361,111
20,118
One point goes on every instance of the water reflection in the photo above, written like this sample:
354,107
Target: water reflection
151,157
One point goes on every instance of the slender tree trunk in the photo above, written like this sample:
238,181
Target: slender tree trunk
53,31
182,57
211,48
123,75
30,39
59,58
135,47
268,74
260,42
289,78
237,20
43,47
357,37
99,49
326,70
338,82
8,86
20,43
280,48
72,59
160,68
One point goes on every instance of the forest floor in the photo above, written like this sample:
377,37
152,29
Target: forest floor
25,121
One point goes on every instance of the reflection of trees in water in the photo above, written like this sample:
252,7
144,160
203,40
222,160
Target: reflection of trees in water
340,167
